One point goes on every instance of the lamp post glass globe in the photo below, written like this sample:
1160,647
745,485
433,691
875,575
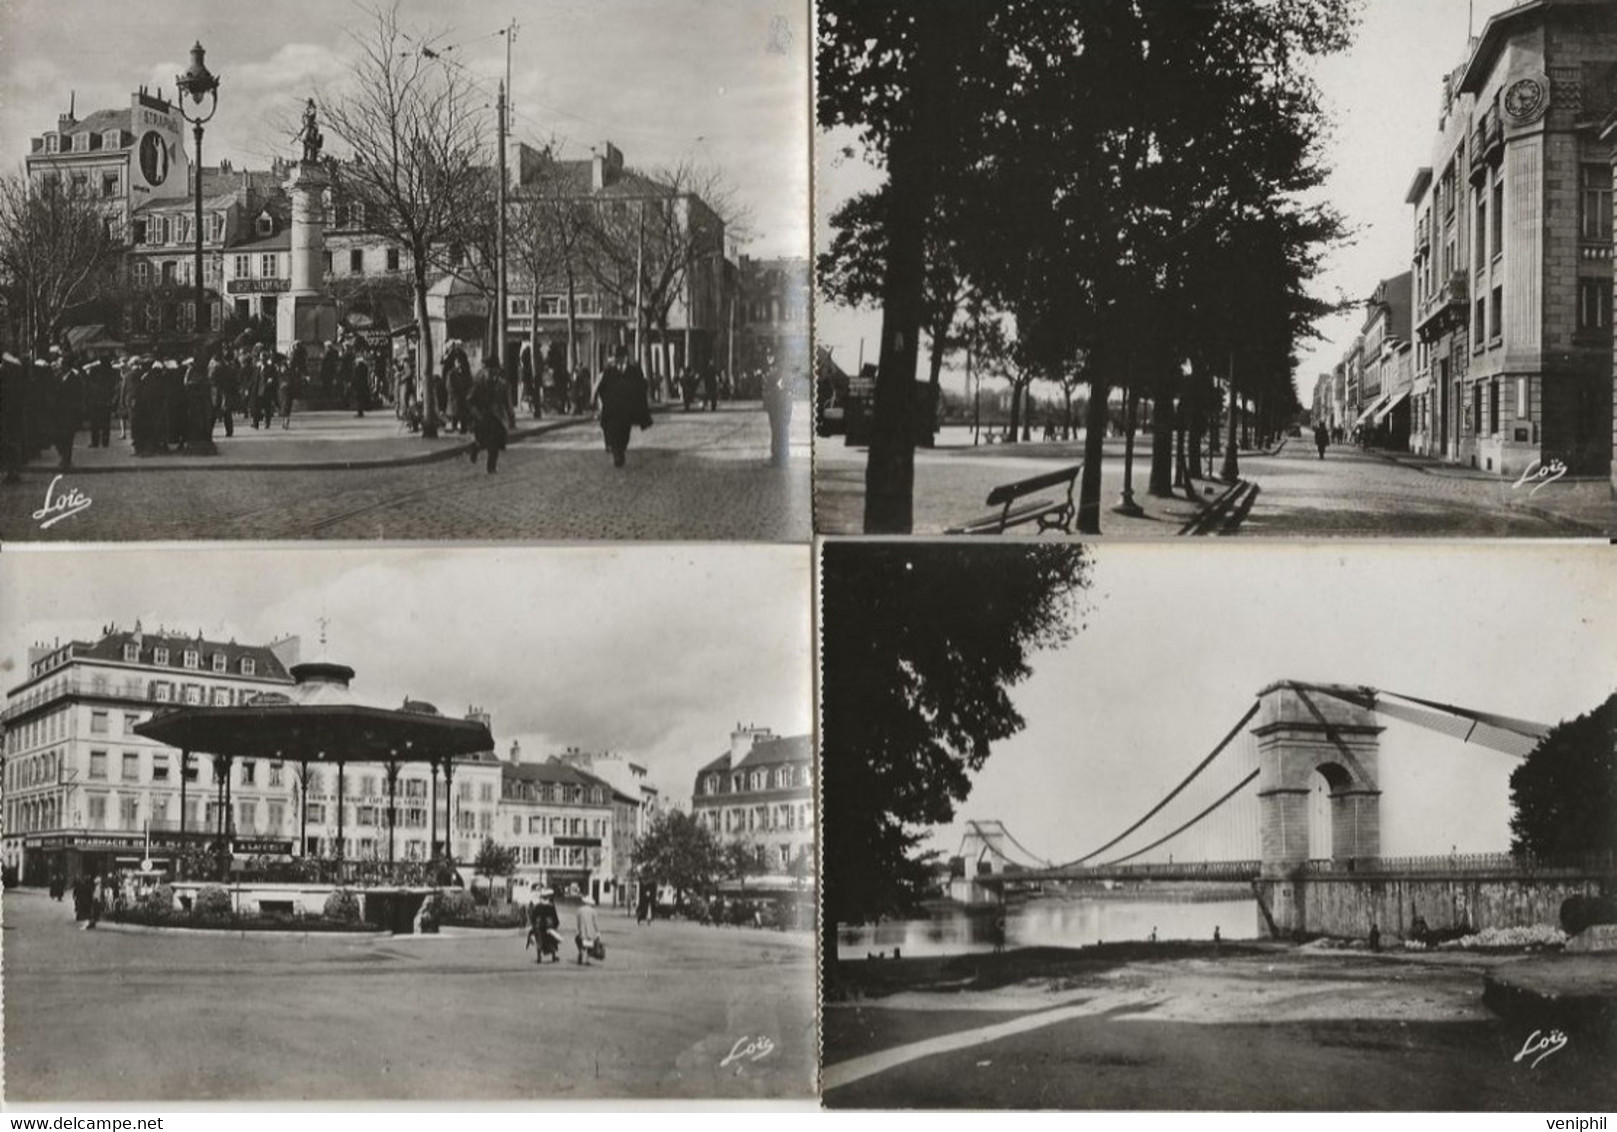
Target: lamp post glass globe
199,83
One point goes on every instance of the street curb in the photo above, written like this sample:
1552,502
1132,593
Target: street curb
458,450
238,933
1527,508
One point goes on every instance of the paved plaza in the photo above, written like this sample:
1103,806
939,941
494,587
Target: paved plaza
1351,493
692,476
122,1015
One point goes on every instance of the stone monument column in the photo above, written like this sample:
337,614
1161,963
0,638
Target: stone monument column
306,313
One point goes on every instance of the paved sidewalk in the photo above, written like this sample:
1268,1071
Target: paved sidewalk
316,440
952,484
1585,500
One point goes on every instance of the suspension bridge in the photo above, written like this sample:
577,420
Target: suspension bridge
1288,802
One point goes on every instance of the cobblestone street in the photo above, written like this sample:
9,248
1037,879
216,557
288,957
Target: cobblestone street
692,476
1349,494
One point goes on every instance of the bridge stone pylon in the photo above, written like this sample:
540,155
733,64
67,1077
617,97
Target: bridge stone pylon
1303,730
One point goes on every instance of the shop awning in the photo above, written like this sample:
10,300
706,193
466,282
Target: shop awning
1364,416
1386,410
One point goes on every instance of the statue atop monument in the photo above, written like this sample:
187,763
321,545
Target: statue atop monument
310,136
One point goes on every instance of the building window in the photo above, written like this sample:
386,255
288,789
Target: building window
109,184
247,817
131,766
1482,231
392,259
521,306
193,694
249,666
1595,193
244,266
550,305
98,723
161,692
1480,322
160,655
1493,407
219,662
1498,215
53,143
268,266
193,659
249,772
130,722
266,226
1497,313
1594,304
98,811
98,764
356,261
325,260
159,768
317,813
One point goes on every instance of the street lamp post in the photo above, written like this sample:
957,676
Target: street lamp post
200,84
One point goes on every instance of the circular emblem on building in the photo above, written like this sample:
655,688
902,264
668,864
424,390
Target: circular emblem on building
153,157
1525,99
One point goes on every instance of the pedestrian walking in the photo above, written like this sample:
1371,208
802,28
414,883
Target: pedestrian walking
284,389
710,388
588,935
458,380
490,414
222,376
100,396
359,378
622,394
545,927
67,410
1322,439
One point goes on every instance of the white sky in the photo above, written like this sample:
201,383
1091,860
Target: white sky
716,81
652,651
1179,642
1383,95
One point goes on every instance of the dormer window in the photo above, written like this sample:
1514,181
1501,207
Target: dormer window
266,225
53,143
192,659
81,143
131,652
160,655
219,662
218,227
110,140
249,666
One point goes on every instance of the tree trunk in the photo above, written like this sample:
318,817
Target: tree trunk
1066,416
429,401
535,360
572,332
911,156
1016,413
1094,450
1161,484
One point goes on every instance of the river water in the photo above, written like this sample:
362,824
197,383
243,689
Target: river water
1055,922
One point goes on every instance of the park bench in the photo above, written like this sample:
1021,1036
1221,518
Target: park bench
1051,513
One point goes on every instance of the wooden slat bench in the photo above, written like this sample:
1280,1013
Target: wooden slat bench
1050,513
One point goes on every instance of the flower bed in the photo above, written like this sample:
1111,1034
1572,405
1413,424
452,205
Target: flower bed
152,917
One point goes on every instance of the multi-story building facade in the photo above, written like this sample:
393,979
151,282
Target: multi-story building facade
760,793
1513,246
1384,361
560,820
773,327
83,791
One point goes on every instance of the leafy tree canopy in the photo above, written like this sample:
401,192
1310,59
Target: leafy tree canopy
1565,792
680,852
920,647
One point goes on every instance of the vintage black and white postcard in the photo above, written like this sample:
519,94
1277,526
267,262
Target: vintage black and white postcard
403,270
1336,268
408,825
1295,828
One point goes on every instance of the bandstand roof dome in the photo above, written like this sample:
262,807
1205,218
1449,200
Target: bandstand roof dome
319,718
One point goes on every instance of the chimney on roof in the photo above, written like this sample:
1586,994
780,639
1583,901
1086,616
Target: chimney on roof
743,739
606,165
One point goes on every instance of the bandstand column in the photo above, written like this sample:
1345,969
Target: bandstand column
220,776
185,764
303,811
341,845
392,810
432,849
449,804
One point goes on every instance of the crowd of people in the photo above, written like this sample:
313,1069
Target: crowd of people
168,405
